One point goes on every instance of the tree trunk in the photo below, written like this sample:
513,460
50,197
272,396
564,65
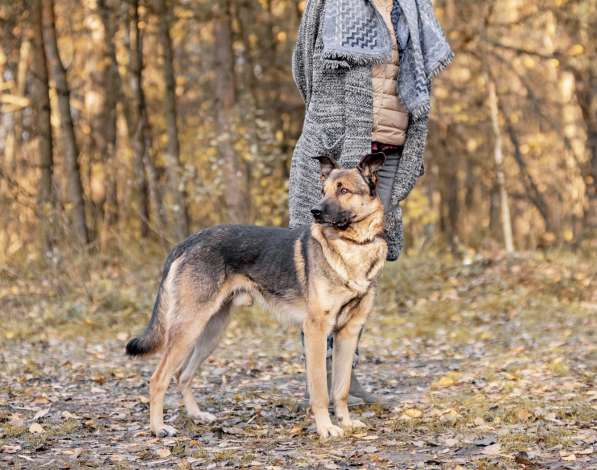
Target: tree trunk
41,103
494,209
499,164
112,91
450,205
71,151
178,216
584,69
470,185
13,139
447,182
144,168
531,187
585,85
236,192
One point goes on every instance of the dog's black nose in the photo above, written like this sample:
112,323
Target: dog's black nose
316,211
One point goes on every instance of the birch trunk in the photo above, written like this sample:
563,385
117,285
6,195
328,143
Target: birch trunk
499,164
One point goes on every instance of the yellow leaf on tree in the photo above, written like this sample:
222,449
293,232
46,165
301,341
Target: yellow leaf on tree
576,49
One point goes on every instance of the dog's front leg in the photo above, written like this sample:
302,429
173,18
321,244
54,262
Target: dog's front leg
345,344
316,331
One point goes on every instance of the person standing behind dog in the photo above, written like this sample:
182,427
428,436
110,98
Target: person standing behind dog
364,69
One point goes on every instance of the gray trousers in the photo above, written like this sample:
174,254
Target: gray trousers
385,184
386,176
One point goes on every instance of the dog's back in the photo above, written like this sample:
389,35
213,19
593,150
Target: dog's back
263,254
224,259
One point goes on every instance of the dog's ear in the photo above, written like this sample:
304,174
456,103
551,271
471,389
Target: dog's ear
326,165
369,166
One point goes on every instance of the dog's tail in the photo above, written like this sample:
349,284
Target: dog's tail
152,338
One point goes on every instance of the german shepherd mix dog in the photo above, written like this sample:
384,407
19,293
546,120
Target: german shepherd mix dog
322,276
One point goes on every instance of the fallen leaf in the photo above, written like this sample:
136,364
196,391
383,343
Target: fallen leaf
523,414
11,449
568,457
447,380
451,442
163,452
493,449
413,413
296,430
17,419
36,428
69,415
522,458
41,414
74,452
485,440
479,421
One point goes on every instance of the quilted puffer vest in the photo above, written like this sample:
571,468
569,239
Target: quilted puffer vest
390,117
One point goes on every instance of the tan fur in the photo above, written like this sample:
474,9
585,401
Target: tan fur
299,264
337,282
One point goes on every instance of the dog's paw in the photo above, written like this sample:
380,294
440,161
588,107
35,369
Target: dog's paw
202,417
352,424
329,430
164,431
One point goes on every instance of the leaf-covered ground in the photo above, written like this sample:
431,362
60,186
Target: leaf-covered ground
484,364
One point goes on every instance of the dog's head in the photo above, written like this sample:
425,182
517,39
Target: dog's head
349,195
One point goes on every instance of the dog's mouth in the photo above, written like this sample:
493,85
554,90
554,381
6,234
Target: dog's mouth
340,222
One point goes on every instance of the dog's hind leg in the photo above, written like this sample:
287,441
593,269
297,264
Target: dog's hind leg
188,323
204,346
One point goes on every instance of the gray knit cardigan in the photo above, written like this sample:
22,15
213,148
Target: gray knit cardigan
338,122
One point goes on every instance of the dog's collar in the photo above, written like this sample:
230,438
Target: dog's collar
364,242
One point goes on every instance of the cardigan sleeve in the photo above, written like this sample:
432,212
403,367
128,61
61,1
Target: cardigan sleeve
411,163
302,56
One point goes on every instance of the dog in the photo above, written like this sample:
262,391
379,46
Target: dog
322,276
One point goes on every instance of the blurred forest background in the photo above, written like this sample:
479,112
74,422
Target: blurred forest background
127,124
148,119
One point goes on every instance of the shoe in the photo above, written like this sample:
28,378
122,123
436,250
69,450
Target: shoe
356,395
357,391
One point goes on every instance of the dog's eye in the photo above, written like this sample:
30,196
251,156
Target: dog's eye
344,191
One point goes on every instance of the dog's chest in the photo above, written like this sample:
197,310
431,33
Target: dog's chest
361,261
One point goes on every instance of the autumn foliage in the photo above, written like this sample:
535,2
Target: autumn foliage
146,120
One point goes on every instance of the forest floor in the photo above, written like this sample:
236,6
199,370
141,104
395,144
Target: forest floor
484,364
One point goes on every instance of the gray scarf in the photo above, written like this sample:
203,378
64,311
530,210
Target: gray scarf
354,33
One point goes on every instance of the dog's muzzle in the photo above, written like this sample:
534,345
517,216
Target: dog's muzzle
340,221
